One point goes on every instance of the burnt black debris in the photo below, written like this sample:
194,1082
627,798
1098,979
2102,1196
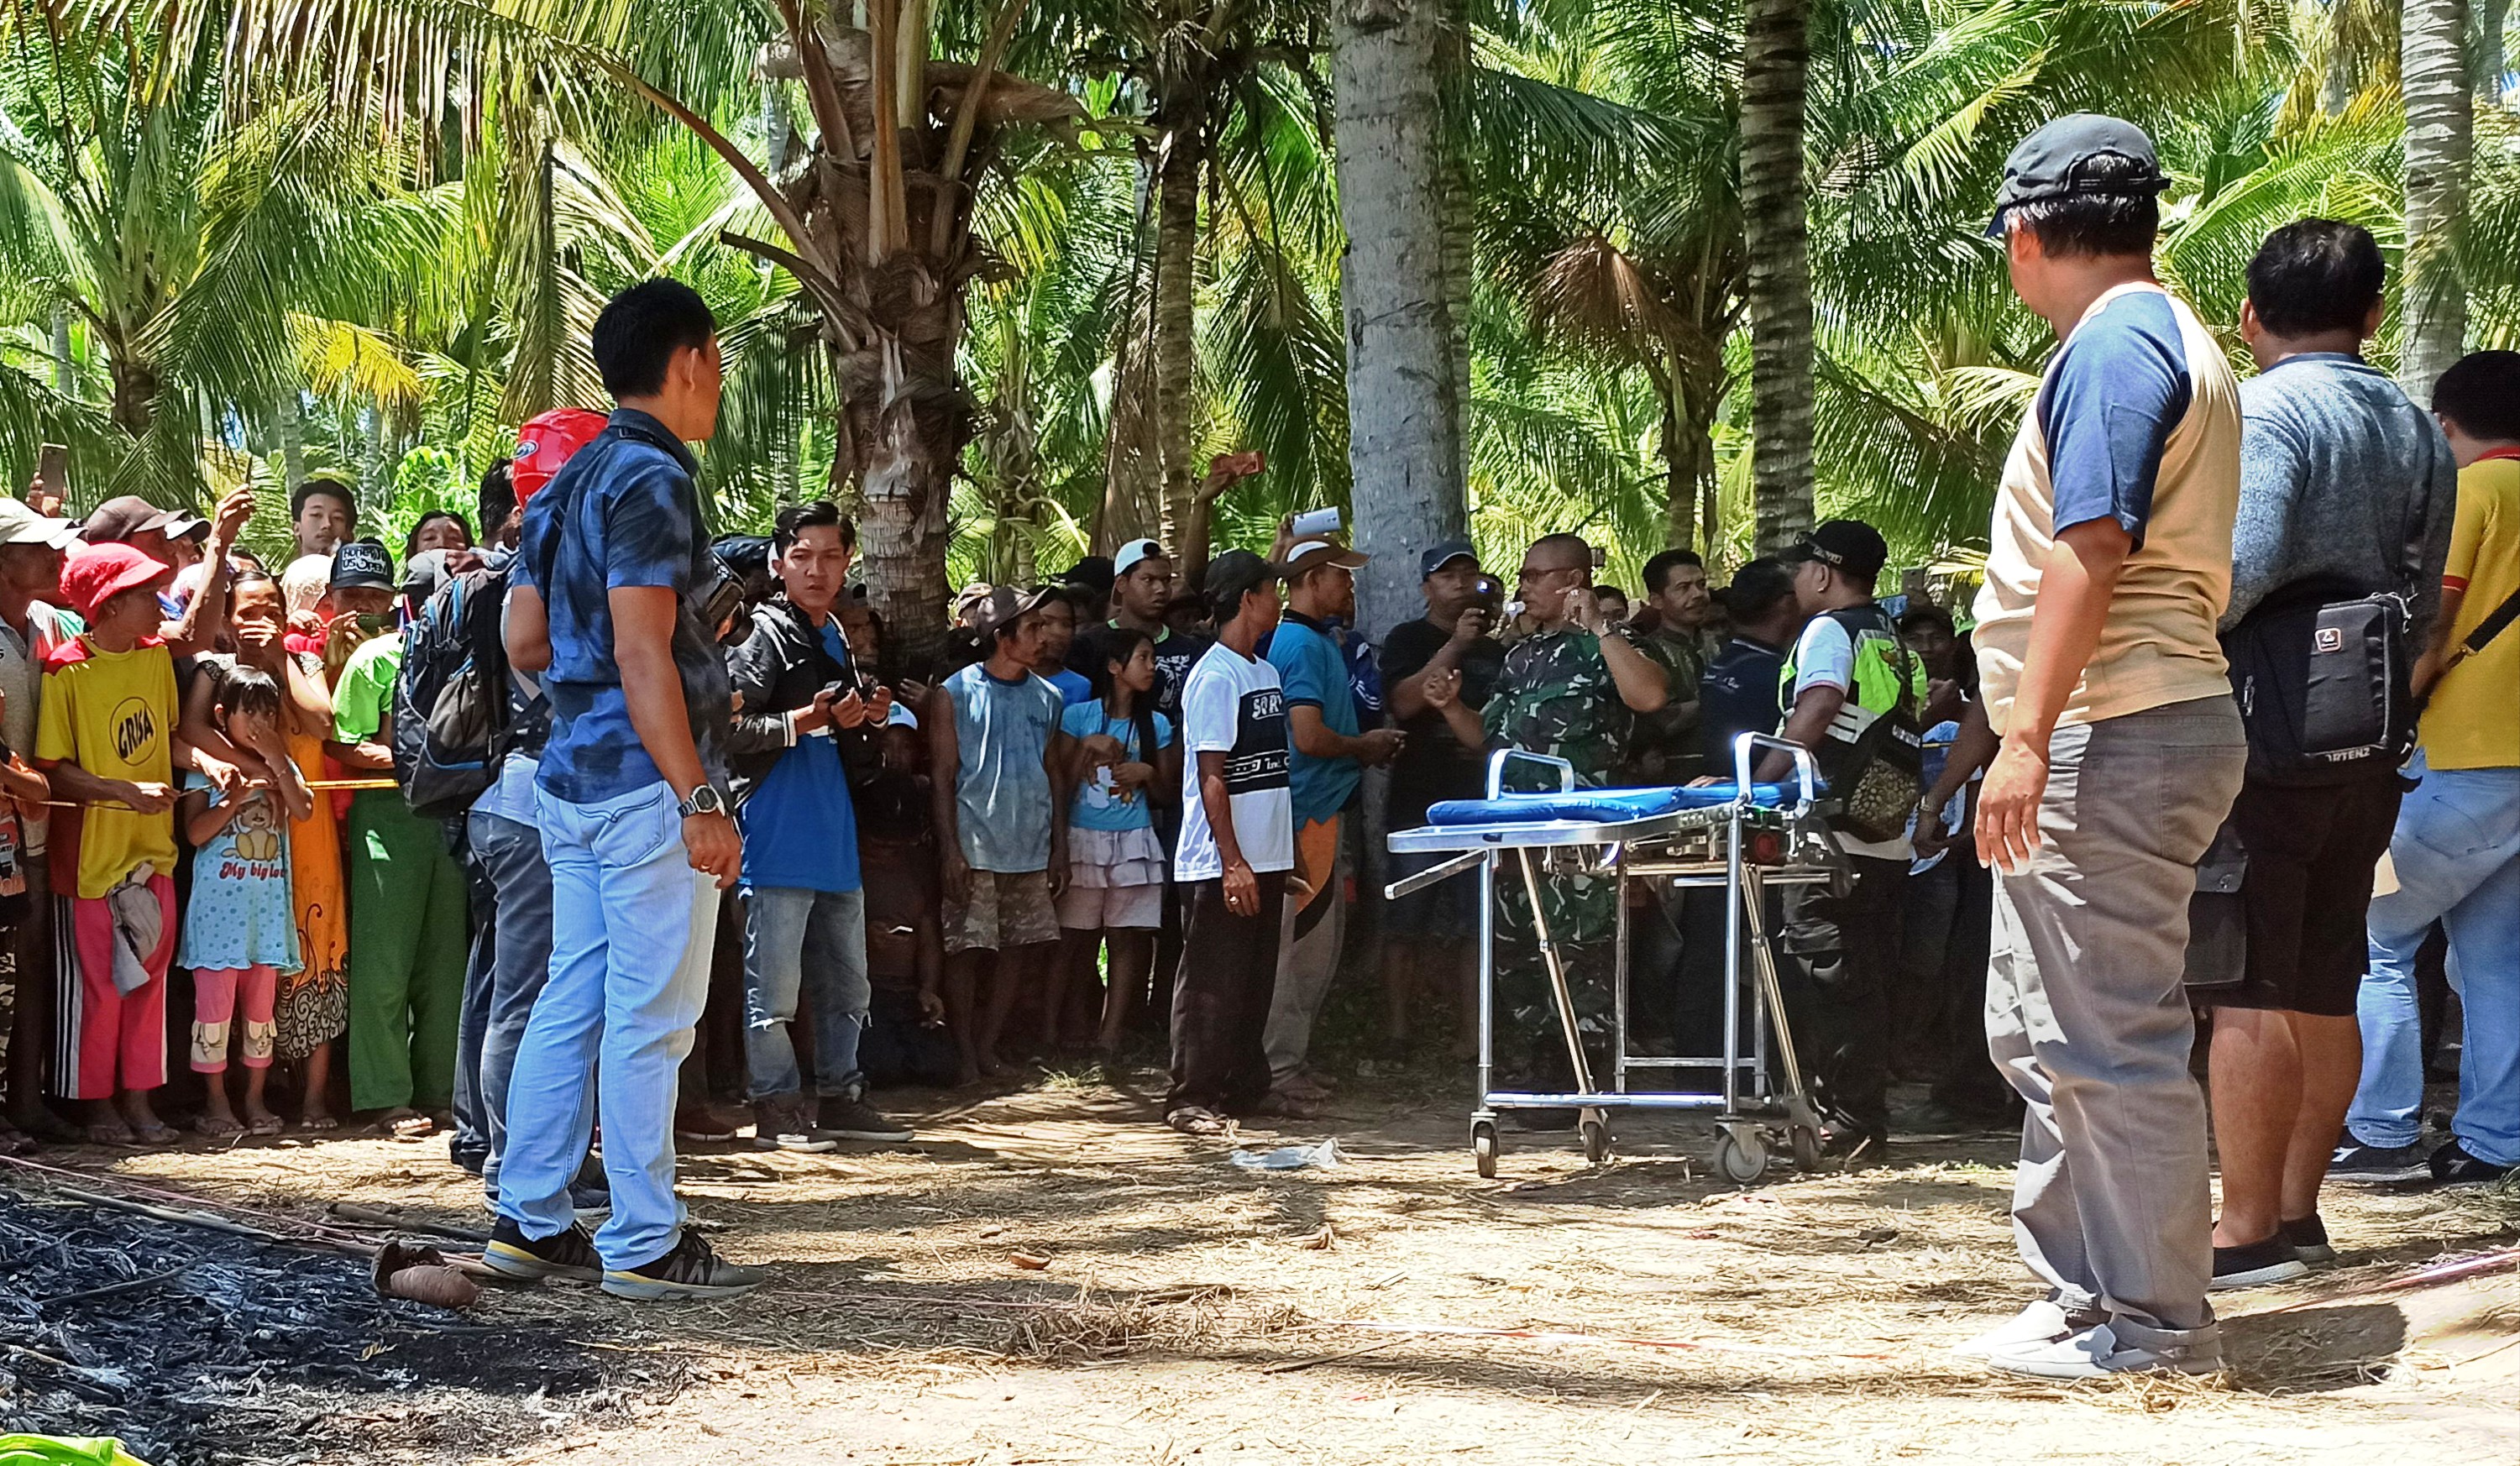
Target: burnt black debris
200,1349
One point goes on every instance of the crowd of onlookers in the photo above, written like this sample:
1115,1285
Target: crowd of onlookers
461,817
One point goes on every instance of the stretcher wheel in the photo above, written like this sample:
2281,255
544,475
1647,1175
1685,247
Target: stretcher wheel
1741,1158
1807,1153
1597,1140
1484,1147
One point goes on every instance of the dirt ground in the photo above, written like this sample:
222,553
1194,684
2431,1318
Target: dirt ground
1048,1276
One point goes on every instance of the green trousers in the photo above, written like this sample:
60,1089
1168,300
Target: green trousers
407,951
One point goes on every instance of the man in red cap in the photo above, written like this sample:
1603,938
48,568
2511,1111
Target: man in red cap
104,738
189,623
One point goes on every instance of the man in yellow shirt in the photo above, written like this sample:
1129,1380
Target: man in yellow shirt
105,739
2456,850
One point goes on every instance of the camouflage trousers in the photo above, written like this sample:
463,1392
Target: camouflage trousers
1582,914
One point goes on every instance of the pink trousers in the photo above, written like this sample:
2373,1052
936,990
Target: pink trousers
215,995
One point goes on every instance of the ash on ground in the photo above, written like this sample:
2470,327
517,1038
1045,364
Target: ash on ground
209,1349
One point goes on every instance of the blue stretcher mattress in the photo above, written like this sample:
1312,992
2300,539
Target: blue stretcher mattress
1597,806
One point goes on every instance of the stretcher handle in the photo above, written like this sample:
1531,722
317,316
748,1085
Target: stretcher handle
1806,772
1497,763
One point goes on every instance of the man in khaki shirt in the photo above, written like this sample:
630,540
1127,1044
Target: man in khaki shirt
2108,563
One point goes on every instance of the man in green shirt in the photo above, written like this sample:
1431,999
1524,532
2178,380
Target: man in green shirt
407,904
1680,609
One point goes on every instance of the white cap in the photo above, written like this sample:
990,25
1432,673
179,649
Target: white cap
1130,553
20,526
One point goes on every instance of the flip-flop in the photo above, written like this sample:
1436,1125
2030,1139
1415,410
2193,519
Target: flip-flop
317,1122
155,1135
263,1124
14,1143
1191,1120
108,1132
216,1129
410,1128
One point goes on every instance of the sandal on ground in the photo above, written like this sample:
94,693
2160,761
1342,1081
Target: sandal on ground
217,1129
15,1141
317,1122
263,1124
108,1133
1191,1120
406,1125
158,1134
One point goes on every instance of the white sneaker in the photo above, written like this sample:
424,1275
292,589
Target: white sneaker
2042,1323
2097,1351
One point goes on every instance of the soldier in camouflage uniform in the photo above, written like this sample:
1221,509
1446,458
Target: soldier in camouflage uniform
1572,689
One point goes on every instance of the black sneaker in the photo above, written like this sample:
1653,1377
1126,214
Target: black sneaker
690,1272
2273,1261
2453,1166
569,1253
2358,1165
851,1118
2308,1238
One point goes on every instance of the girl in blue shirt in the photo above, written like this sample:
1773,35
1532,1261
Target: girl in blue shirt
1125,757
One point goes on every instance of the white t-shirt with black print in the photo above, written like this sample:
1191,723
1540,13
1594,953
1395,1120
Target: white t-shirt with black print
1233,705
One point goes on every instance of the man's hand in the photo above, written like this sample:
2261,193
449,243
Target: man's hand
848,710
2008,807
1584,609
224,776
1241,890
1469,626
1382,745
816,715
1057,864
931,1008
1930,839
227,521
715,848
149,798
1227,469
879,708
914,691
955,872
1440,686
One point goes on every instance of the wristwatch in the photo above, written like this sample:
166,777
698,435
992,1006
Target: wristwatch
705,800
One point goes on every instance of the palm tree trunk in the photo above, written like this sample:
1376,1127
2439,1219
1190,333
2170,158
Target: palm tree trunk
2432,39
2491,15
1174,375
65,366
1403,402
1775,57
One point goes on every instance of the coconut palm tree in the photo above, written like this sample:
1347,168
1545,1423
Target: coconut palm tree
2439,135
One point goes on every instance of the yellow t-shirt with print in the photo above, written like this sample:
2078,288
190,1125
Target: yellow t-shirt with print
112,713
2473,720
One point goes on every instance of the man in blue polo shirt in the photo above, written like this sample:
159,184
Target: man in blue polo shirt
634,814
1329,757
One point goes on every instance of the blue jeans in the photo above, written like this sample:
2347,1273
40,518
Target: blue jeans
518,936
814,943
2457,857
632,923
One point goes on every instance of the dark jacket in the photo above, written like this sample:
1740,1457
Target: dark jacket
776,669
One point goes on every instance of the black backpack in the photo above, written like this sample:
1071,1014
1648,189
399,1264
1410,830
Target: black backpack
452,715
2321,672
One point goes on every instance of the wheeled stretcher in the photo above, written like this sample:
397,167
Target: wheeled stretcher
1746,839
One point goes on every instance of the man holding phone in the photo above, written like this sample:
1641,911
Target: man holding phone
1446,654
801,720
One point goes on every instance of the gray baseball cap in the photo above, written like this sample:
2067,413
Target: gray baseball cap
2050,164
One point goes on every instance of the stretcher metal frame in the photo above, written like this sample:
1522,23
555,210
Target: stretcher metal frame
1762,1088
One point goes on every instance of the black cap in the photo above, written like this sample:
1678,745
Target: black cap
2050,163
362,564
1234,574
1440,555
1848,545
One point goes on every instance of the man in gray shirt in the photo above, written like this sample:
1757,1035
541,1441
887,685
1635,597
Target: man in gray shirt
2346,490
